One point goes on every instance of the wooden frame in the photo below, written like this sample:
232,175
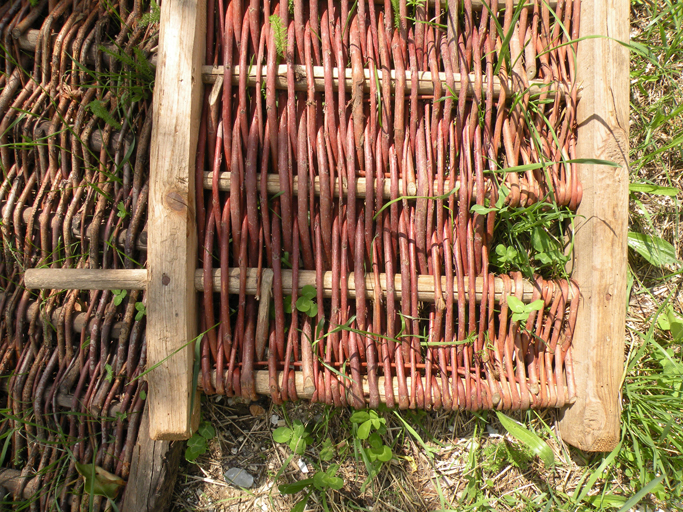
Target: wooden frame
599,258
172,245
592,423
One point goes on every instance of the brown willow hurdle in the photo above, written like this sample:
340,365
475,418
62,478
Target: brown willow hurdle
294,179
308,172
74,196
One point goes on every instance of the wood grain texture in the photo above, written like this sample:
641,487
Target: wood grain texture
425,284
592,423
172,247
425,84
85,279
153,472
273,185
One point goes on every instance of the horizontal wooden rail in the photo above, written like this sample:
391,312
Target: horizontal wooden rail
78,319
27,213
28,40
478,5
261,378
425,84
273,185
66,400
85,279
425,284
136,279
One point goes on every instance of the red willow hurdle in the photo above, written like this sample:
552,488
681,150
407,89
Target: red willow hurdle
404,121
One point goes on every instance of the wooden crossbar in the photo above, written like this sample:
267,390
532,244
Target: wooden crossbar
262,385
273,185
425,284
425,84
125,279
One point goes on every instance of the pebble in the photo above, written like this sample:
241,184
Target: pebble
274,419
239,478
492,431
234,450
303,467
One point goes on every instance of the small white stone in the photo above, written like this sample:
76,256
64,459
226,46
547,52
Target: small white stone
274,419
234,450
303,467
239,478
492,431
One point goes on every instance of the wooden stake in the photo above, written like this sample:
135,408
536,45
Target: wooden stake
153,472
85,279
172,247
600,243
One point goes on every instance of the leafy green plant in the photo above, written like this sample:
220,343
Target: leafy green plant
655,250
298,437
98,109
198,443
521,311
522,434
506,258
119,295
279,34
366,421
151,17
671,321
322,481
141,310
109,373
305,302
528,239
121,213
369,427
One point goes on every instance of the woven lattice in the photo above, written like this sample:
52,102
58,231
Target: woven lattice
368,202
74,151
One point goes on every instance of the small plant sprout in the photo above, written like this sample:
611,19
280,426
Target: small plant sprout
521,311
298,437
305,302
122,213
198,443
119,295
141,311
375,453
366,420
279,34
322,481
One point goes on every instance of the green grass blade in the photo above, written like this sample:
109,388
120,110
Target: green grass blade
655,250
537,445
641,494
596,474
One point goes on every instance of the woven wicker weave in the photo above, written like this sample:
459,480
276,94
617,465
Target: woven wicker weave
376,178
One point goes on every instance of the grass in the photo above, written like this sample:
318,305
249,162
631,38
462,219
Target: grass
460,461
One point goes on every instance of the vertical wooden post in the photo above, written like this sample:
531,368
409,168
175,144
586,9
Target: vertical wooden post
153,472
592,422
172,247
